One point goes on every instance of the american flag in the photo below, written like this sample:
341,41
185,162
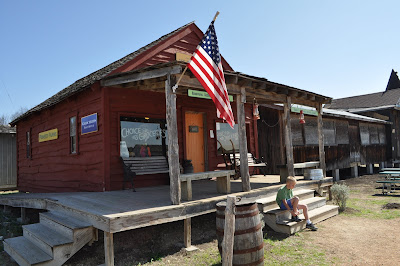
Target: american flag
206,65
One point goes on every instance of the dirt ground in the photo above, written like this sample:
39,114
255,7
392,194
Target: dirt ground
352,238
361,240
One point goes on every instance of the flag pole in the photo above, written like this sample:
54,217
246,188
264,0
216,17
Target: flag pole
183,73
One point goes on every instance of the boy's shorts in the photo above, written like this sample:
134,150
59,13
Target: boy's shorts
289,202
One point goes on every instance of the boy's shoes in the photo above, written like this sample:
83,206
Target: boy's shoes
312,227
295,219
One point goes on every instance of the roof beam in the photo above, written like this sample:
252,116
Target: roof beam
132,77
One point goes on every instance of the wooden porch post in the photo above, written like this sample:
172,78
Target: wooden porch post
109,248
173,147
244,164
288,136
321,140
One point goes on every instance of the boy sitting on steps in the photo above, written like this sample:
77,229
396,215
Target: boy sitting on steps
286,201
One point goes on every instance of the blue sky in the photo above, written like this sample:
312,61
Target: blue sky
335,48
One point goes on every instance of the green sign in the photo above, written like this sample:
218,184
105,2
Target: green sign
305,111
203,95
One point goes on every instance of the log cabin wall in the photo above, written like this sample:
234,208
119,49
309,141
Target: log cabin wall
52,167
139,103
343,144
365,144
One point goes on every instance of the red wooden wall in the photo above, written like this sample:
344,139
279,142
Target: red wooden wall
52,168
136,103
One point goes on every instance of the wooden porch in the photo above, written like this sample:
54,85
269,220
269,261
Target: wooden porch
117,211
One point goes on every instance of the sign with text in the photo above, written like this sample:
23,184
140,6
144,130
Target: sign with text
89,124
48,135
203,95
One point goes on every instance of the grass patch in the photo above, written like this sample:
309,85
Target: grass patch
372,208
293,250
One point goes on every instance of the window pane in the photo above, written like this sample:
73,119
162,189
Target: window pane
73,144
225,134
72,126
143,139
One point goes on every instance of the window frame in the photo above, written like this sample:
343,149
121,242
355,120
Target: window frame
76,135
140,118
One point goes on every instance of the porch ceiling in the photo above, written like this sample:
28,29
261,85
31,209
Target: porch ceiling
264,91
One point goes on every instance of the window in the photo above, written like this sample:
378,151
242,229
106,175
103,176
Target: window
72,135
143,137
28,144
227,138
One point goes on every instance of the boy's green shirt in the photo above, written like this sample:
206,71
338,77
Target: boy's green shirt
283,194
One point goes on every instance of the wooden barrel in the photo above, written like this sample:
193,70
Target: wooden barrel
248,246
313,174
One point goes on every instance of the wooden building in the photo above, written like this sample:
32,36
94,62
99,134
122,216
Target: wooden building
8,158
381,105
350,140
74,140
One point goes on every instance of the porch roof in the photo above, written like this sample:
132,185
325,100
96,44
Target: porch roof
263,90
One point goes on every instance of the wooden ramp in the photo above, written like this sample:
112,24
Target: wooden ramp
279,220
51,242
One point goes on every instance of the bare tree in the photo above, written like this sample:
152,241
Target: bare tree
18,113
6,119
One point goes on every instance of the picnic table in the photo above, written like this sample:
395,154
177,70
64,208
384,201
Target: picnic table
387,182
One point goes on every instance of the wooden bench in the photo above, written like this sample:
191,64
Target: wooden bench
223,181
284,173
251,160
134,166
387,182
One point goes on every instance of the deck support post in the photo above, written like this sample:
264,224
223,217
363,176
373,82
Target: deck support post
109,248
241,117
173,147
321,140
187,223
288,138
354,171
6,209
381,165
370,169
23,215
336,175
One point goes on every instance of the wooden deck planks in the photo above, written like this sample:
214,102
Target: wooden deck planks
116,211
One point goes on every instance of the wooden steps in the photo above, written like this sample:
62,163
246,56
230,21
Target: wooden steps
279,220
51,242
269,203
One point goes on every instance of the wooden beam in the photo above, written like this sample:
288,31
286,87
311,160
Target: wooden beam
23,215
321,140
127,78
109,249
288,136
241,117
173,147
187,223
231,79
229,232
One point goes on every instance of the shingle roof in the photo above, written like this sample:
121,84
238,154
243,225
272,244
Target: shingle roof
386,98
90,79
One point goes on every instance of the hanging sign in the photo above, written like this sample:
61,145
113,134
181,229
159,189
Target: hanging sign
48,135
203,95
89,124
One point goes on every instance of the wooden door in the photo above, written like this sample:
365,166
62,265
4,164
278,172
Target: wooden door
195,140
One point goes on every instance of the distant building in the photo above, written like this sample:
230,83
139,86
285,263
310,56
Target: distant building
8,157
383,105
